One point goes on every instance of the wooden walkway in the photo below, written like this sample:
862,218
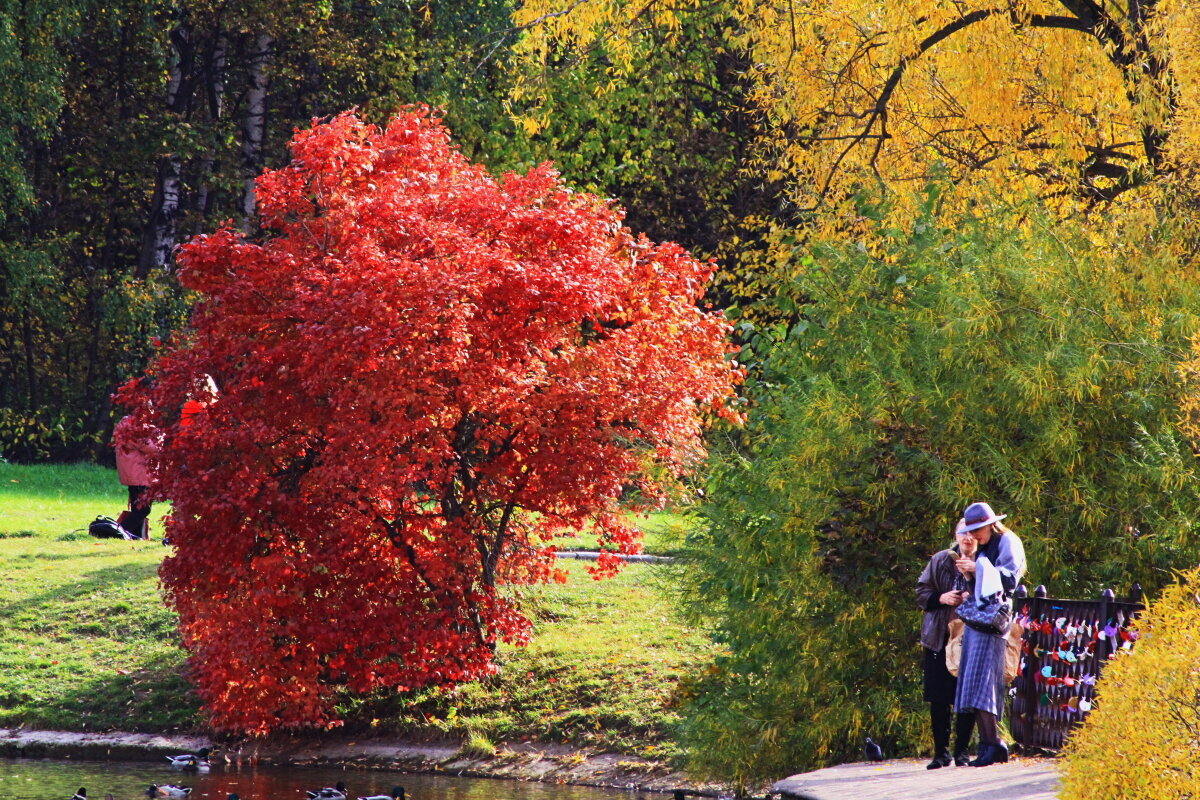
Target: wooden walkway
1020,779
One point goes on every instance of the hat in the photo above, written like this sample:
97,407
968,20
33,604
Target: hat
978,515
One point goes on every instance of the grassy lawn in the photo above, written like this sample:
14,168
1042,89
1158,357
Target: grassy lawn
86,644
662,535
601,671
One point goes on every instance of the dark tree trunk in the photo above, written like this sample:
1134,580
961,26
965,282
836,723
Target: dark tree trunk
158,242
99,372
215,94
31,392
215,74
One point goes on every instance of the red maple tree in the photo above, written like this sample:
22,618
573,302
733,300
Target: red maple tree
425,374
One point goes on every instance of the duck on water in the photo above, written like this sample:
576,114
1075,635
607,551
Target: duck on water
338,792
191,762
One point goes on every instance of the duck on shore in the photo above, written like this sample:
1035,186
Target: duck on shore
81,794
168,790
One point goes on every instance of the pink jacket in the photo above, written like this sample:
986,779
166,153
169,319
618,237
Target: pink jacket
132,469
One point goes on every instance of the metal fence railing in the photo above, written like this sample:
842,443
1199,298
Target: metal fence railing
1065,647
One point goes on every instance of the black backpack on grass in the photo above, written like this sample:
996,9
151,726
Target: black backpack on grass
107,528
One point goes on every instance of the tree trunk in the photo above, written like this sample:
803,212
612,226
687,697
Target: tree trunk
158,241
215,72
159,235
215,90
101,406
254,122
30,369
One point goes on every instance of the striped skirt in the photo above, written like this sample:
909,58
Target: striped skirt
981,674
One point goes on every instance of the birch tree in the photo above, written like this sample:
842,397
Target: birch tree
254,116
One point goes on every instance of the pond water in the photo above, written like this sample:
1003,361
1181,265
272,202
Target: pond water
36,779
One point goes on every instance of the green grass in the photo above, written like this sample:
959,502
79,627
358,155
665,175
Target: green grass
662,533
602,671
86,644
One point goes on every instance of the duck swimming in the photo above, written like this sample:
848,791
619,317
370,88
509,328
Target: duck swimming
397,793
189,761
168,790
337,792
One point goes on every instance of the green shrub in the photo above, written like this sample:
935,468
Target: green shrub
476,745
47,433
85,333
1007,361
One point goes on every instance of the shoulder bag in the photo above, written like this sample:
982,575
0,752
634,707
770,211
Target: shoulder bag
992,614
1012,649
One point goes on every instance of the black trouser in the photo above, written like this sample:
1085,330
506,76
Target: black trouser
939,715
139,510
939,693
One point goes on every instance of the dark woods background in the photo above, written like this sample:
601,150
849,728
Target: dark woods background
131,126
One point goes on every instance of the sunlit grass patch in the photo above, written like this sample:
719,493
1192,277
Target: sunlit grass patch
662,534
87,644
85,641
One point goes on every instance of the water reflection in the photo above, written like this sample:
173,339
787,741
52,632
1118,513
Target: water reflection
31,779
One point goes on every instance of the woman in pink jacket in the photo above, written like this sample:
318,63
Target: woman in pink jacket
133,471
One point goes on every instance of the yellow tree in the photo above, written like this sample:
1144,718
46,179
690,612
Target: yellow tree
1076,100
801,567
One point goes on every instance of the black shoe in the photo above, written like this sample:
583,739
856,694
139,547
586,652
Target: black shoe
939,761
991,753
962,759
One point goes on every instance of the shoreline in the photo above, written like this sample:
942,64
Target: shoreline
525,761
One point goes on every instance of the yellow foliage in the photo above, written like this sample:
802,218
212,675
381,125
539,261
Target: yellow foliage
1189,374
1142,741
1077,102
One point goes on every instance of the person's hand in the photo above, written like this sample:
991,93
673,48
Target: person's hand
951,598
966,566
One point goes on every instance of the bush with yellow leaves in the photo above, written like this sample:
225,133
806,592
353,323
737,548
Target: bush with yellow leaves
1142,742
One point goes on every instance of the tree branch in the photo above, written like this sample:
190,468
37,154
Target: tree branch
395,533
1136,63
879,110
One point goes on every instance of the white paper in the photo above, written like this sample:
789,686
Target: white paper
987,578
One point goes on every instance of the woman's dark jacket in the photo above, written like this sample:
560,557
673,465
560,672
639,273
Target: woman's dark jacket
938,577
